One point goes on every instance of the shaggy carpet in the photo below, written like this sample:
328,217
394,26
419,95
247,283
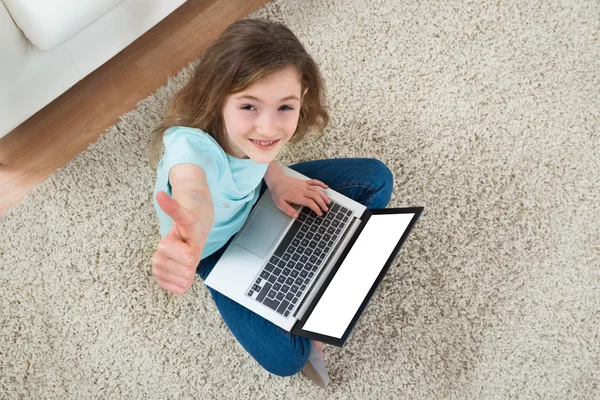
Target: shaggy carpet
488,115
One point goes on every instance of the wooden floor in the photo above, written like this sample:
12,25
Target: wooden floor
66,127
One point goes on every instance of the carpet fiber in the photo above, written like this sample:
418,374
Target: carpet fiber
488,115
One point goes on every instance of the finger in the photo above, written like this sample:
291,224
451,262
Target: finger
289,210
176,250
313,194
309,202
323,196
171,287
318,183
172,271
172,208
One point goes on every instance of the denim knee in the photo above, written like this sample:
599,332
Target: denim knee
382,180
292,362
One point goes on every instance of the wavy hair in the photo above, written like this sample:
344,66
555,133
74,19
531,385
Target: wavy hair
246,52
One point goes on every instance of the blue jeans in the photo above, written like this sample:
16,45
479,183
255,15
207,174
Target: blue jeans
367,181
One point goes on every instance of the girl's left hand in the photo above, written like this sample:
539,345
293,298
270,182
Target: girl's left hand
292,190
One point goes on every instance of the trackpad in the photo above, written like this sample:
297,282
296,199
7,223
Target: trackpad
258,236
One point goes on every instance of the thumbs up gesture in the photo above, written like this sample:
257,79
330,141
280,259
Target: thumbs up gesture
179,252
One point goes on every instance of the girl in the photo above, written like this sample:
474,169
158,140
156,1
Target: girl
253,91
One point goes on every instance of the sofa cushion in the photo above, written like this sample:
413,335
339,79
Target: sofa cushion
49,23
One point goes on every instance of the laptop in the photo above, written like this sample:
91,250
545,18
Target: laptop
312,276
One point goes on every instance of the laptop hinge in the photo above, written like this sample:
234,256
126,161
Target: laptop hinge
328,266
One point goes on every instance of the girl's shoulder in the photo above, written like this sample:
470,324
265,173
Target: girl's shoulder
193,138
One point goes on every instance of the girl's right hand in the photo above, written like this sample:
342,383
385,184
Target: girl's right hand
179,252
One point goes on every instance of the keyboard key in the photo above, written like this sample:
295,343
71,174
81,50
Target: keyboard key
286,271
264,275
274,304
256,288
283,306
285,288
304,228
303,259
294,273
289,281
302,217
303,274
273,260
294,289
314,259
289,236
282,263
269,267
289,296
285,314
263,292
309,235
279,296
272,279
287,257
335,208
250,293
277,271
277,286
295,243
305,243
281,279
272,294
313,228
318,237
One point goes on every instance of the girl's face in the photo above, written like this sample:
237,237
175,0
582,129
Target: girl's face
261,119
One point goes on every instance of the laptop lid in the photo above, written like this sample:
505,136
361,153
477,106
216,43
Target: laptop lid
358,272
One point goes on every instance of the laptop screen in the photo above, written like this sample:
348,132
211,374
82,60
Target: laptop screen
357,274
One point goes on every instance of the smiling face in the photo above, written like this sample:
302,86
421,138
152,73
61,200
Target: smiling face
261,119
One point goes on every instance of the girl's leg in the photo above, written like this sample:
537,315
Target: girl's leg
365,180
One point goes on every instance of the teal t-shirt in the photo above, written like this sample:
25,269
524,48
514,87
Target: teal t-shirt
234,183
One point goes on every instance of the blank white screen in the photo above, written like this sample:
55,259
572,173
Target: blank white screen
356,275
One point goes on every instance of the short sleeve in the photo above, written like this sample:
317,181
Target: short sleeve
189,145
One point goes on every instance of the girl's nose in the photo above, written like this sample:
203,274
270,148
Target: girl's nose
266,125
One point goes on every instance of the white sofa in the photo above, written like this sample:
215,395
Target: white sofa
47,46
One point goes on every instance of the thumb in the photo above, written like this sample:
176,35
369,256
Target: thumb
289,210
181,216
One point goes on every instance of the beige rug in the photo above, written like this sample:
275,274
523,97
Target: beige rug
489,115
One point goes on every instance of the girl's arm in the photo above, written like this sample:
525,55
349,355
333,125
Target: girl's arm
191,208
274,171
190,188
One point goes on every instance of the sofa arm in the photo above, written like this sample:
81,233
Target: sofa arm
14,47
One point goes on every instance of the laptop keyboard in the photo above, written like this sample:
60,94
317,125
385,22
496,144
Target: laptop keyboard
298,257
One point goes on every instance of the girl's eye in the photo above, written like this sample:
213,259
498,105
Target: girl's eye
286,108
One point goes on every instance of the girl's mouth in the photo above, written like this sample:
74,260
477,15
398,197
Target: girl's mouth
265,145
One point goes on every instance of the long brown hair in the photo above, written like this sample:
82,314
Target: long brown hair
246,52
